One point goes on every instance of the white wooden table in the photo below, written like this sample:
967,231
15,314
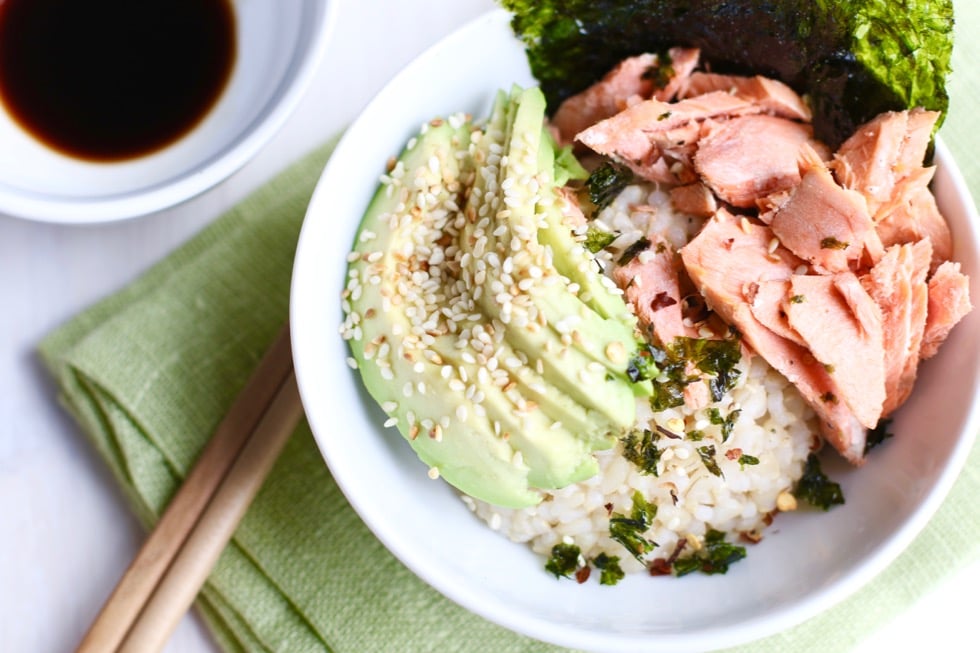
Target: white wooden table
65,532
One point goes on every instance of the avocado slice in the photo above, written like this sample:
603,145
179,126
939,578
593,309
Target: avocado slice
500,401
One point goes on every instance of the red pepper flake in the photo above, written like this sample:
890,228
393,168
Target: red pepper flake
609,508
733,454
662,300
752,537
583,574
659,567
767,520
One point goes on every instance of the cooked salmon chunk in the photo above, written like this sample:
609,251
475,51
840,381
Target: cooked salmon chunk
882,152
773,96
898,285
636,135
841,326
823,222
637,78
949,302
911,215
650,284
746,158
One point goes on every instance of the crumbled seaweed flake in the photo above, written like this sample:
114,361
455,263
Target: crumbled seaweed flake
628,531
631,252
815,488
640,448
877,435
707,454
564,560
832,243
611,572
596,239
726,423
606,182
715,557
642,365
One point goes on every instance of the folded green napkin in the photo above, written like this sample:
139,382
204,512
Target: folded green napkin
149,372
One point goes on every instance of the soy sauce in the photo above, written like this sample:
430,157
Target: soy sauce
107,80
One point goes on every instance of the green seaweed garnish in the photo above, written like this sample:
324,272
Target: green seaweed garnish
715,557
606,182
611,572
629,531
877,435
726,423
640,448
564,561
596,239
707,454
815,488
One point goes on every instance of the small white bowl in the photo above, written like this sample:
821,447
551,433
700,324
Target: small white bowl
279,45
809,562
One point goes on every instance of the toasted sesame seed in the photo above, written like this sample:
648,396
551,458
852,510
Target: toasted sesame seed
785,501
433,473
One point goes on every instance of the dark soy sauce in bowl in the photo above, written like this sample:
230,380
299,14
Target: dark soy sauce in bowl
108,80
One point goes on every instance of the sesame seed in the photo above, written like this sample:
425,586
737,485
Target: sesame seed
391,421
433,473
352,362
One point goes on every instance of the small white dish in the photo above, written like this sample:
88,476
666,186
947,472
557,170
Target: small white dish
808,562
279,45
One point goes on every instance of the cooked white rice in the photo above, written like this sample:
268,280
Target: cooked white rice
774,426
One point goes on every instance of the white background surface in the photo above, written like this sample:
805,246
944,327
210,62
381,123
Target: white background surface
65,532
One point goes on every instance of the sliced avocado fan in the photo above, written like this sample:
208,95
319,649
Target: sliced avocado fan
477,322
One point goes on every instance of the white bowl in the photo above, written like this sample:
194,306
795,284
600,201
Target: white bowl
806,564
279,46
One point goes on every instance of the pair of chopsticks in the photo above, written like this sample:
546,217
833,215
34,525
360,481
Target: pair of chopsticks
169,570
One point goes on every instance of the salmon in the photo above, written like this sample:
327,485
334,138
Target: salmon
766,300
842,327
746,158
897,284
651,286
882,152
635,78
637,135
822,222
729,260
694,199
949,302
911,215
775,97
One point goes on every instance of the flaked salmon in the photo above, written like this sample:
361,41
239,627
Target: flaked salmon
637,78
694,199
651,286
882,152
773,96
949,302
842,328
911,215
897,284
822,222
746,158
636,135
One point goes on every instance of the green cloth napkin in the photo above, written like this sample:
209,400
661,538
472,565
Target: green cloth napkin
149,372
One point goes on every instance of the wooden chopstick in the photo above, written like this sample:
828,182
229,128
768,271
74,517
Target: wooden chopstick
163,579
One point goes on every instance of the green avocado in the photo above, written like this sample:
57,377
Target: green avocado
464,322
